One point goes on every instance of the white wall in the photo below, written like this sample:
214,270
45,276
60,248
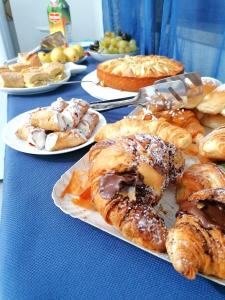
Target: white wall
86,18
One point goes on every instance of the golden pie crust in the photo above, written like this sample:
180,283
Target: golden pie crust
131,73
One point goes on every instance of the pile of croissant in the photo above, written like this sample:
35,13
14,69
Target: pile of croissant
134,162
128,177
185,128
59,126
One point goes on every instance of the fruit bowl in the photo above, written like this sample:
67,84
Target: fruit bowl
103,57
113,46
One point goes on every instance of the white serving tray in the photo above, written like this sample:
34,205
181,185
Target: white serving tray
94,218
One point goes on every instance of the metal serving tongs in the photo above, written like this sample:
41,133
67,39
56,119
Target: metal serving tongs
49,42
169,93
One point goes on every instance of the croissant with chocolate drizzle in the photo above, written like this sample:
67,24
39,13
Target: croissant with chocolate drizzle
128,177
198,177
196,242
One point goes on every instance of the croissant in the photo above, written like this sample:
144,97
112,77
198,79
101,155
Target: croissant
213,121
180,117
212,145
196,242
127,179
209,84
160,127
213,103
198,177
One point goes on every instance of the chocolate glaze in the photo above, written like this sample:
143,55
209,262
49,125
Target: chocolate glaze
212,213
111,183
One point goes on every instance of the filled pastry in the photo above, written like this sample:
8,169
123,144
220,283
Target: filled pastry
34,136
11,79
59,126
31,59
196,242
74,112
127,179
198,177
214,102
35,77
18,67
62,140
212,145
59,105
88,124
47,119
160,127
55,70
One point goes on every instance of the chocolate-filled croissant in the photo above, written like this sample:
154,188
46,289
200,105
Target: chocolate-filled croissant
196,242
128,177
198,177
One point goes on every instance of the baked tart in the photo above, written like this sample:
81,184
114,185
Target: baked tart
131,73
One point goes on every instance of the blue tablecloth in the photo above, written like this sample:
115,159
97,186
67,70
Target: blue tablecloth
46,254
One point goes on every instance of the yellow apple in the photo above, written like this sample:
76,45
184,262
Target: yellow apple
44,57
57,55
71,54
79,50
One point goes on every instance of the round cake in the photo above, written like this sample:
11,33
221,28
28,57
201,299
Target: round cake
131,73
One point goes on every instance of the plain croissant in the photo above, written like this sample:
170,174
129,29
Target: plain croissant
160,127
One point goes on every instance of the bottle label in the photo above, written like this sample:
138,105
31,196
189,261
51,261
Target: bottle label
54,18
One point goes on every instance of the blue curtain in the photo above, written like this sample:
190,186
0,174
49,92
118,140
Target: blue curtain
190,31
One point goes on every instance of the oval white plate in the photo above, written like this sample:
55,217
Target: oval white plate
104,57
36,90
82,59
10,139
102,92
73,68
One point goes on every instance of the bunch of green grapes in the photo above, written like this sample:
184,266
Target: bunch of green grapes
114,44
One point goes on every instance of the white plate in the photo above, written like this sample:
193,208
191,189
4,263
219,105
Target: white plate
36,90
82,59
103,57
14,142
74,69
101,92
94,218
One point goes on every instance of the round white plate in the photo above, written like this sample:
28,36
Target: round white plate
103,57
36,90
100,92
10,139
